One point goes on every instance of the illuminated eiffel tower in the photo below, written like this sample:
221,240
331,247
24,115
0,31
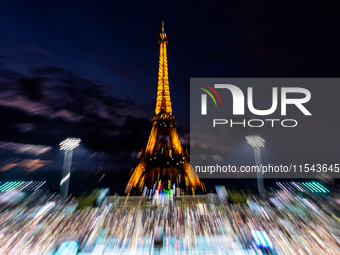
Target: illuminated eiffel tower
164,160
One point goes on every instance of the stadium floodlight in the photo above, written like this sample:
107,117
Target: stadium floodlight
257,142
67,145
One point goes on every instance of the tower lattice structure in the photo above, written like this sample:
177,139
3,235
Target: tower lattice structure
164,160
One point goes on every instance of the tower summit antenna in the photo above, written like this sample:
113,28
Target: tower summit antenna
162,26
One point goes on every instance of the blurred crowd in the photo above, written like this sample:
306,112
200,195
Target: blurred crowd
285,222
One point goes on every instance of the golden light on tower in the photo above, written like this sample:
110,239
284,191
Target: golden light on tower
163,103
162,156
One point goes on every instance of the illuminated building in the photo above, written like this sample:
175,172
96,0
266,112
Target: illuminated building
164,162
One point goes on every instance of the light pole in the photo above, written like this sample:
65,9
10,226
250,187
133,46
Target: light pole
67,145
257,142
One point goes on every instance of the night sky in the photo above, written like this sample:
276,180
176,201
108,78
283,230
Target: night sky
89,69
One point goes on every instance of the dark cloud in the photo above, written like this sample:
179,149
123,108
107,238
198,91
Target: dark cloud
32,87
51,103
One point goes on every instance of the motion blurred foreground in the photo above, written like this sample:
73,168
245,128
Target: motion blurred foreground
288,221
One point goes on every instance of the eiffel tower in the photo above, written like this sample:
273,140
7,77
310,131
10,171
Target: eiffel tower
164,160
